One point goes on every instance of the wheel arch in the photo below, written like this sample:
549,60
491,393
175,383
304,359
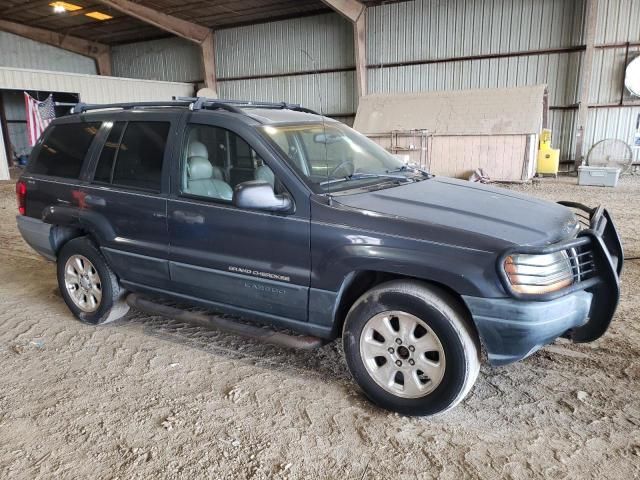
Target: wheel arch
358,283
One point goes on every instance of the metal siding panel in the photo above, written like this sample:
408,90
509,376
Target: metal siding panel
279,47
557,70
612,122
618,21
332,93
427,30
167,59
20,52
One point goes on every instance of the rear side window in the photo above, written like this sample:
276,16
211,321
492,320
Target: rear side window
64,149
133,155
108,154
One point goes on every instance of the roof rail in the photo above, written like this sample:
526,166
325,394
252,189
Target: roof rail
81,107
204,102
194,103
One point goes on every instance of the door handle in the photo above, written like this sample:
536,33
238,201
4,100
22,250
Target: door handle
190,218
94,201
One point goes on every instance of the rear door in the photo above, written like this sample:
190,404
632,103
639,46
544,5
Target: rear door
126,199
251,261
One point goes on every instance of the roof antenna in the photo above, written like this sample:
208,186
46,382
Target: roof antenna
324,127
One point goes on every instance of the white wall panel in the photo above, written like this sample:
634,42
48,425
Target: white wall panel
20,52
92,88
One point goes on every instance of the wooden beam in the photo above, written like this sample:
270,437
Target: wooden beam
100,52
355,12
182,28
350,9
590,25
193,32
209,62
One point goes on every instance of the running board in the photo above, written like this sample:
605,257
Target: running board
215,322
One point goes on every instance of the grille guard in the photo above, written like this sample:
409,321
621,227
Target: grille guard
603,241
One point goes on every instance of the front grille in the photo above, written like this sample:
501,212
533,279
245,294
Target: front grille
582,262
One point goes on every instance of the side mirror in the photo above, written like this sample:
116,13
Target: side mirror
259,195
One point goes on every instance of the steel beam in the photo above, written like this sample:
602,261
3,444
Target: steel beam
100,52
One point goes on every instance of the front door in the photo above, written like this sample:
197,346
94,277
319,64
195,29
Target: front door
246,261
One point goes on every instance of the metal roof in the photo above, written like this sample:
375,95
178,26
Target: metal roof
215,14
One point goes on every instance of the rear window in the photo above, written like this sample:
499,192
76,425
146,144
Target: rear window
133,158
64,149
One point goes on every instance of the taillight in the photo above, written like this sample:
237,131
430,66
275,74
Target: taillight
21,196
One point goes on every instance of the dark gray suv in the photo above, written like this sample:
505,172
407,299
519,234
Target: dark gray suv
274,213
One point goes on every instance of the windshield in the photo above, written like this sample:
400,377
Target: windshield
334,157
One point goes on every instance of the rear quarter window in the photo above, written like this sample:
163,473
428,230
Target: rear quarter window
64,149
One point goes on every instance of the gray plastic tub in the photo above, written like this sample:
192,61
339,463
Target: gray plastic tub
598,176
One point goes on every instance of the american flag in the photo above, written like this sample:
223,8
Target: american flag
39,116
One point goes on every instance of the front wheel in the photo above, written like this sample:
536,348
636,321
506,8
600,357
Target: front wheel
410,348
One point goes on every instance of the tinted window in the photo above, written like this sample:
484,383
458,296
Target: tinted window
138,156
63,151
104,169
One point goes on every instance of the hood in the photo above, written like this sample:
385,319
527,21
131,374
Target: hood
471,207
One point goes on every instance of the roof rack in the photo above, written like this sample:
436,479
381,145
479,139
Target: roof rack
193,103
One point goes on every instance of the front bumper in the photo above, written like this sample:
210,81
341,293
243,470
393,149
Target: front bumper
513,328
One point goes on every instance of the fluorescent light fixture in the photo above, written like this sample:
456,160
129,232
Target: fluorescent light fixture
98,16
61,7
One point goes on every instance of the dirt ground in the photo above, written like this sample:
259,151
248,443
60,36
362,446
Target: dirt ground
148,398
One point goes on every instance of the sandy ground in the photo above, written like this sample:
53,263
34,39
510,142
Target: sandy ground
148,398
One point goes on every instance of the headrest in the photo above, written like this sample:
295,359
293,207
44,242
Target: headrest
199,168
198,149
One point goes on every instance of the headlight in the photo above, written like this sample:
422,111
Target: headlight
539,274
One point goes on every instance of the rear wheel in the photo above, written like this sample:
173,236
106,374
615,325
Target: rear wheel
89,287
410,348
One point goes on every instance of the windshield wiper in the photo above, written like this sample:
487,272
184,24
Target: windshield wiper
407,168
364,176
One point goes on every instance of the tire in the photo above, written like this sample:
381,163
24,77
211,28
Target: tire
426,319
103,298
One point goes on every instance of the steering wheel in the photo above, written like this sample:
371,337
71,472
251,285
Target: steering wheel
343,164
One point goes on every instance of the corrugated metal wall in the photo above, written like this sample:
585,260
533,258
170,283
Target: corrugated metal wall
457,44
421,45
275,61
21,52
269,61
428,30
167,59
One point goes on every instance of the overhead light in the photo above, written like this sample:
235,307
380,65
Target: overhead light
99,15
61,7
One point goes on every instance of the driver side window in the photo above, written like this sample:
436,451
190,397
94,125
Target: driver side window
216,160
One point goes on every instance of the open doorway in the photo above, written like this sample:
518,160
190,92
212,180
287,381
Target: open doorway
13,121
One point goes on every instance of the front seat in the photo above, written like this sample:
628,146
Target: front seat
266,174
198,149
200,180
